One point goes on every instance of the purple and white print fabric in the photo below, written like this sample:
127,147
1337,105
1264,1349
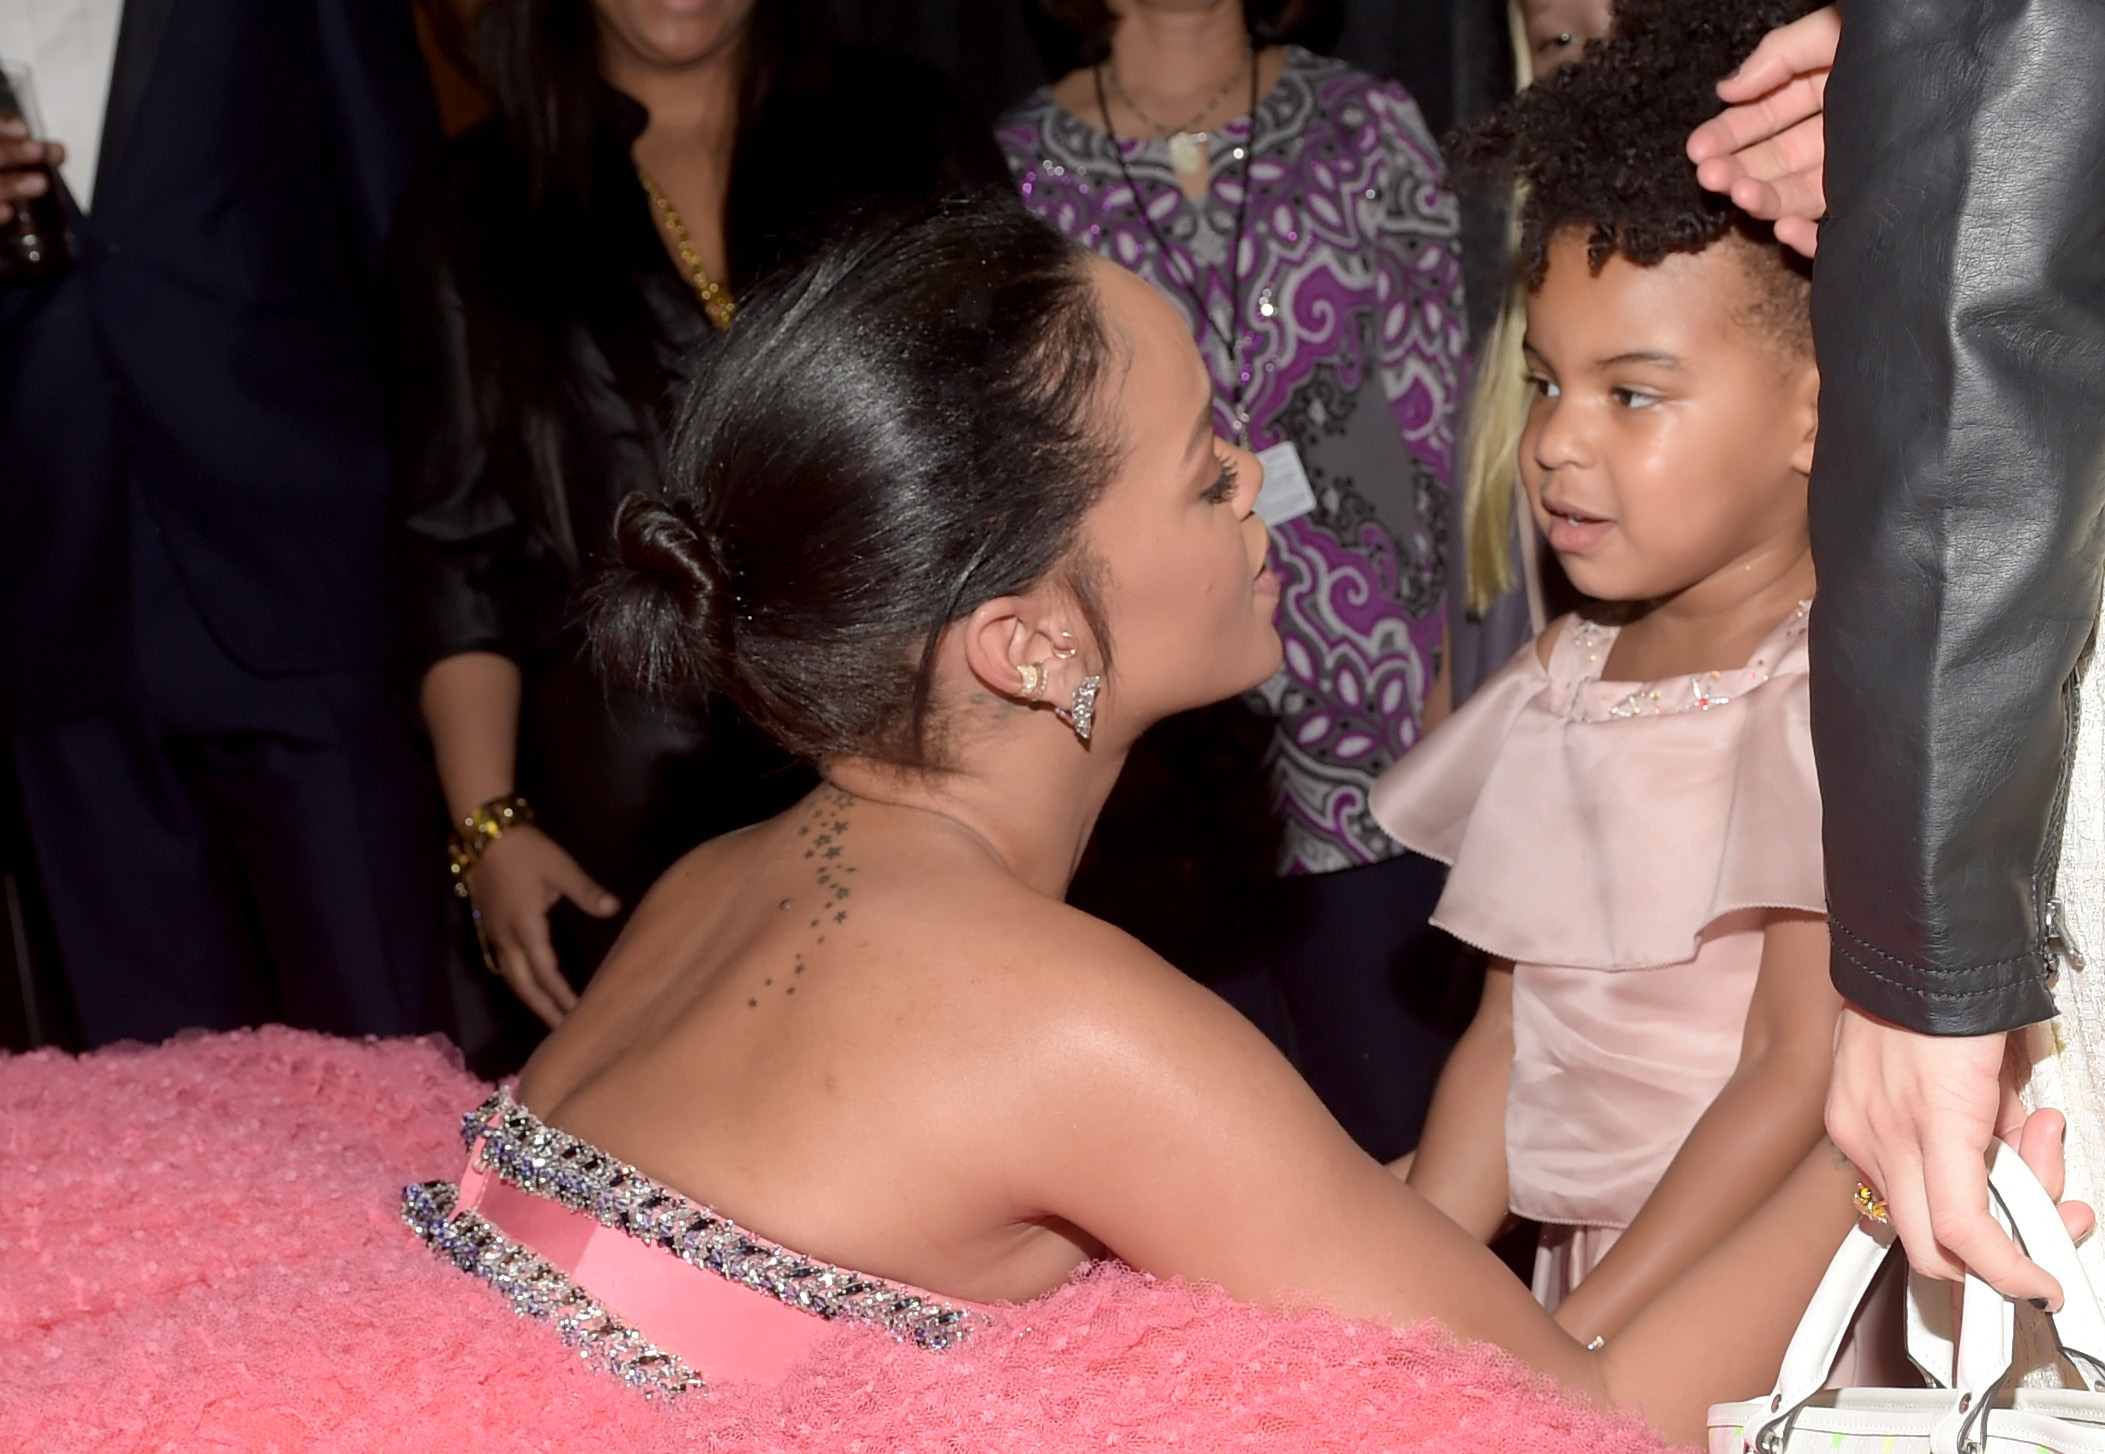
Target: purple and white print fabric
1352,343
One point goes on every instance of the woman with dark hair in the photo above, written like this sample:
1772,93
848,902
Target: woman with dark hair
1292,209
950,518
565,267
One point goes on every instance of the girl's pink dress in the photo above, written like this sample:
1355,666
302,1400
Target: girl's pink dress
1622,843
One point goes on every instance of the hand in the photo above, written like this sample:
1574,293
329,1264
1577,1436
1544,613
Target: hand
1768,149
2040,1144
1916,1113
21,156
518,879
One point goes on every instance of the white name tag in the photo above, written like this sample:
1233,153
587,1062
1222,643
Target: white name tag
1287,494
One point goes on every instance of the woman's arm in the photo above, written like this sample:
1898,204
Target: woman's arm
460,539
1167,1128
1760,1127
1460,1163
471,704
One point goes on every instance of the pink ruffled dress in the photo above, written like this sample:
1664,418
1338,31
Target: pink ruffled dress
1622,843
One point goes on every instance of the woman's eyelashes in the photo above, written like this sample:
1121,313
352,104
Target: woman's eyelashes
1223,488
1633,398
1543,387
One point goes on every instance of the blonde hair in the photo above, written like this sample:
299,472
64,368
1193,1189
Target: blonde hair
1498,410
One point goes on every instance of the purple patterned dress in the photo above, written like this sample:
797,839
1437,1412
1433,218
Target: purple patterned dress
1352,340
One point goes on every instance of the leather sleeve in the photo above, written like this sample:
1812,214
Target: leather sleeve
1959,310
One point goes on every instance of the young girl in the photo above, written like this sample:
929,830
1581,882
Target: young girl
1630,806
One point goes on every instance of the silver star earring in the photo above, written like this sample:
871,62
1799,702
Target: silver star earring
1081,716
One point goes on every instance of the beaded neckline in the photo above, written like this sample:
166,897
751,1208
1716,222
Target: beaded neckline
1579,657
510,1142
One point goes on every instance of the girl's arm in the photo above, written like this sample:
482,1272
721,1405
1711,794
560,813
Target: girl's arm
1760,1126
1460,1163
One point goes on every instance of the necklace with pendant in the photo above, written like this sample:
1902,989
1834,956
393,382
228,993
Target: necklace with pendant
1187,144
715,298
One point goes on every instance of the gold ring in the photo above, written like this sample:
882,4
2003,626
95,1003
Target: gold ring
1869,1202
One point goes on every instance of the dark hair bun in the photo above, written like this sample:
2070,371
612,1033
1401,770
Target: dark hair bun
661,617
903,428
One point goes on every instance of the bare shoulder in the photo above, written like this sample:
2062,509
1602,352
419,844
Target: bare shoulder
1106,1034
1088,973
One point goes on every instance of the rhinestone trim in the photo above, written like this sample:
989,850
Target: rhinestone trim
539,1291
537,1158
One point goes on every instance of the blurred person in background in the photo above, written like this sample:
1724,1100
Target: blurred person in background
552,282
229,812
1292,208
1506,586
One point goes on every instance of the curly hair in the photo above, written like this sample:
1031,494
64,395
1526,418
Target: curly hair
1601,146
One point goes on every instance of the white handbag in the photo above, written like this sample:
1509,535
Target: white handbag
1972,1409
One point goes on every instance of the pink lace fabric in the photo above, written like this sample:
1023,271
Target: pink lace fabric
201,1249
1623,844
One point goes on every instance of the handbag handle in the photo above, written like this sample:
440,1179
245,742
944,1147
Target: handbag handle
1986,1341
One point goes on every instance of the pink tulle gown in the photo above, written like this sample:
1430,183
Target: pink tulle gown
1622,844
202,1248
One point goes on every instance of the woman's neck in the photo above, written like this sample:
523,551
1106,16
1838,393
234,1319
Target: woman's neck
1025,790
693,106
1172,58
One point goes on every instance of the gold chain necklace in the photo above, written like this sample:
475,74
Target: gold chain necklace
715,298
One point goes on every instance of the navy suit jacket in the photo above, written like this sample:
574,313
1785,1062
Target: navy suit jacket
215,348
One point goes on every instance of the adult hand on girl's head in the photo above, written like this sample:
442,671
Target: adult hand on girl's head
518,880
1915,1113
1768,148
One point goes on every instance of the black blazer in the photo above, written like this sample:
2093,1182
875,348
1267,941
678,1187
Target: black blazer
215,348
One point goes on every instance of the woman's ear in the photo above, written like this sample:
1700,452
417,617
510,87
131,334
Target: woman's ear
1806,420
1015,645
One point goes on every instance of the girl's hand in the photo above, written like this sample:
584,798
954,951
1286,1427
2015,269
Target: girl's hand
518,879
1768,149
21,158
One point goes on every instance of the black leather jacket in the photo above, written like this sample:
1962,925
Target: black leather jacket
1959,309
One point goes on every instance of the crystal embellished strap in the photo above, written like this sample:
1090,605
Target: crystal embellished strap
537,1158
538,1290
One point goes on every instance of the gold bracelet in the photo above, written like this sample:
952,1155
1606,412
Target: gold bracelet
479,830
